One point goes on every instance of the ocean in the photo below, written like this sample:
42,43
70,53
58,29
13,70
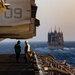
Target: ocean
68,53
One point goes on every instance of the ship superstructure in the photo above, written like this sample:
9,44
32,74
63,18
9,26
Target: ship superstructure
55,39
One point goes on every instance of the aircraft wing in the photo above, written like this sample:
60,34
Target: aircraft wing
2,10
3,6
19,21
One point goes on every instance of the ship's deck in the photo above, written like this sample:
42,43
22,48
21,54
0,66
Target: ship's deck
8,66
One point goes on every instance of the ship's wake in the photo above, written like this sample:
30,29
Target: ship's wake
67,54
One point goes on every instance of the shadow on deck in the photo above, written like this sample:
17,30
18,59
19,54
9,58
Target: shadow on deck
8,66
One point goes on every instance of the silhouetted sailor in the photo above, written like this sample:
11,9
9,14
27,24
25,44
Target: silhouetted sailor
17,50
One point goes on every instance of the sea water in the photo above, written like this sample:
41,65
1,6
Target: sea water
68,53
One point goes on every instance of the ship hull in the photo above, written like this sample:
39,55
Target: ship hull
55,47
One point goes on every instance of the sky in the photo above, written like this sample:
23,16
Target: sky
59,13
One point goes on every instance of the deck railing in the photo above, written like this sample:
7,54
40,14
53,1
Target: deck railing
53,66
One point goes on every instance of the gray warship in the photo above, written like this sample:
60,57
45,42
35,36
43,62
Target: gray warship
55,40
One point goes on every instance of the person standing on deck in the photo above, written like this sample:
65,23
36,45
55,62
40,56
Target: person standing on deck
17,48
26,50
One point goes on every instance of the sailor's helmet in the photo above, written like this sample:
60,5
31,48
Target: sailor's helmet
18,42
26,41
